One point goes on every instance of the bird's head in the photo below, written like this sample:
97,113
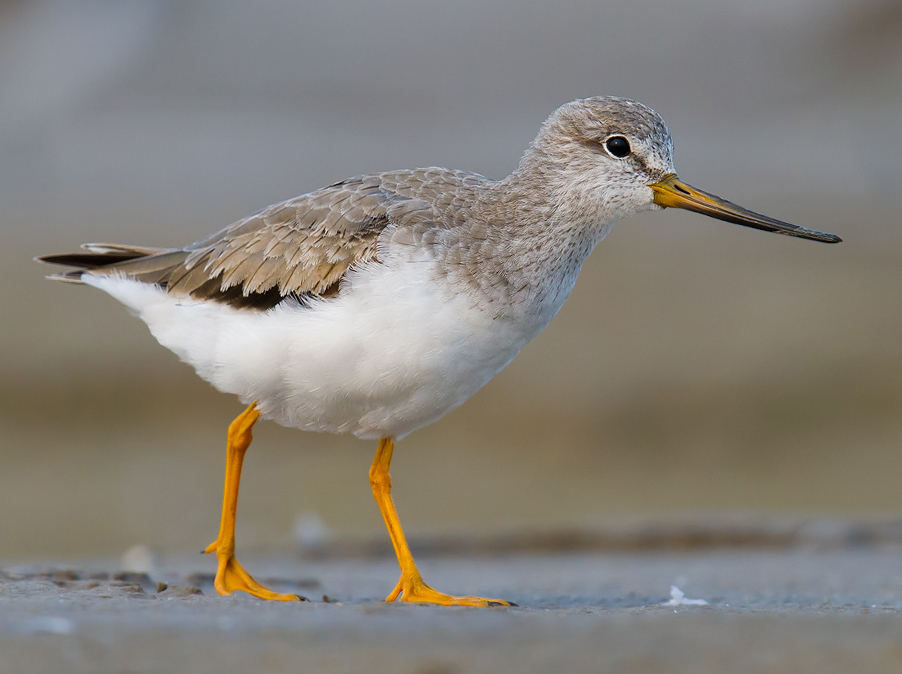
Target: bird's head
605,158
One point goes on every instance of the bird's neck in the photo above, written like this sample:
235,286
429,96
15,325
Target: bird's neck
528,249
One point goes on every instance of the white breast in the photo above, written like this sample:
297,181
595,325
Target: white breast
391,354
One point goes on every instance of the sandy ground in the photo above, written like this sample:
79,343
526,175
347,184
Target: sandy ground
823,606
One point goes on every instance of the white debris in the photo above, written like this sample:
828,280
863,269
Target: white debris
139,559
310,531
677,598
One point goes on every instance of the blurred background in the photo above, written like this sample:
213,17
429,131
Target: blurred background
698,366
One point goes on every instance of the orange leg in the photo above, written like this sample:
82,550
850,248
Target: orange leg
411,586
230,575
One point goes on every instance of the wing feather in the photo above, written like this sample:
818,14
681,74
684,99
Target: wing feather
302,247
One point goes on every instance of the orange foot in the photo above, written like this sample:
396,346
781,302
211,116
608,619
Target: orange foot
413,588
231,576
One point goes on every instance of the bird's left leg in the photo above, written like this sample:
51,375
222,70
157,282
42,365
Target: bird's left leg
230,575
411,586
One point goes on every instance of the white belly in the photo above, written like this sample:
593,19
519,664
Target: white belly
386,357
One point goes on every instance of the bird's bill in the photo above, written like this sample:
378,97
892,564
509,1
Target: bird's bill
674,193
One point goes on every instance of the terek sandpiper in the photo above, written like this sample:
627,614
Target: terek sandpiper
378,304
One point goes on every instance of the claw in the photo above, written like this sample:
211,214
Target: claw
414,589
231,576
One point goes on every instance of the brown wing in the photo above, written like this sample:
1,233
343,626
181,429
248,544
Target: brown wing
303,246
298,248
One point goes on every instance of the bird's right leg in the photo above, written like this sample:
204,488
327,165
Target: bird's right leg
230,575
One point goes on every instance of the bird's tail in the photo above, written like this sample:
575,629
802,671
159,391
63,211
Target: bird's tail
97,256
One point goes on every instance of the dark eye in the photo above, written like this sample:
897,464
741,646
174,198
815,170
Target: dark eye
617,146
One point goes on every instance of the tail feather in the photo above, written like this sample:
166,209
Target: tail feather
152,265
163,267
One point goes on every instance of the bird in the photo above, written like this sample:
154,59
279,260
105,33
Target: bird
378,304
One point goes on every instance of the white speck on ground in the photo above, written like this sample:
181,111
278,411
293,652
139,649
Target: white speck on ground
678,598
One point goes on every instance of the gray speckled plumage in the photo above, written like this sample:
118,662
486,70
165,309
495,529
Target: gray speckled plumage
500,237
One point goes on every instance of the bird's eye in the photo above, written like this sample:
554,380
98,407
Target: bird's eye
618,146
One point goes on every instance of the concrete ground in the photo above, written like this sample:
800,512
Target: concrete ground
825,605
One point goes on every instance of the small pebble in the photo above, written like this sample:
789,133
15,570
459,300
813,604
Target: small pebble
133,577
180,591
127,587
62,575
